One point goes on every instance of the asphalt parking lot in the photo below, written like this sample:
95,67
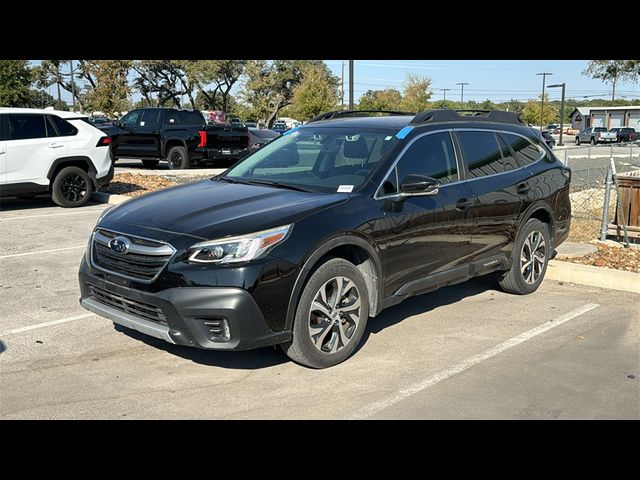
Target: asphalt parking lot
465,352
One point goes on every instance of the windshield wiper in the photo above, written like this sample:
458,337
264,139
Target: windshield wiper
273,183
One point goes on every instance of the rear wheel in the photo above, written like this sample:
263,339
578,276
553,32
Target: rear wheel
178,159
72,187
331,316
529,259
593,141
150,163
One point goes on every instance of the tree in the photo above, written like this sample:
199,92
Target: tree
445,104
15,81
111,92
317,92
416,93
58,72
531,112
514,106
221,74
166,79
611,71
40,99
388,99
269,85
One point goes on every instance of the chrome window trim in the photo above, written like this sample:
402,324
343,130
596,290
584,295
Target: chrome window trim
129,235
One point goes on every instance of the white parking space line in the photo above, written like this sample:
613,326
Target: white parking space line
47,324
376,407
40,251
25,217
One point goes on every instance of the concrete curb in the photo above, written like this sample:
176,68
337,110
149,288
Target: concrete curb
110,198
593,276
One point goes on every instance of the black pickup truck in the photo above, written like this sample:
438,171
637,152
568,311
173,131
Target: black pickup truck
179,136
626,134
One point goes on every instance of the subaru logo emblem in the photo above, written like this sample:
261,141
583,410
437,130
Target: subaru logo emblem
119,244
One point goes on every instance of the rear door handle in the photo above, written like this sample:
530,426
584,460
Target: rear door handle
463,204
523,188
56,145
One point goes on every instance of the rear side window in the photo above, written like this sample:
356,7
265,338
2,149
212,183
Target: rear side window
25,126
150,118
3,135
481,153
526,152
171,117
508,160
190,118
62,127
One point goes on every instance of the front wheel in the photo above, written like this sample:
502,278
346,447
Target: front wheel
178,158
331,316
72,187
529,259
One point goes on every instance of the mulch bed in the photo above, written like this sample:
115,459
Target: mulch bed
610,256
132,184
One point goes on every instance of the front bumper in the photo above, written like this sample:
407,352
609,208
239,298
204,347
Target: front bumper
189,315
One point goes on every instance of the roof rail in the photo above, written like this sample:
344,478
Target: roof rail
354,113
468,115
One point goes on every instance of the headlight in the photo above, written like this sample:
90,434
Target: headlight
239,249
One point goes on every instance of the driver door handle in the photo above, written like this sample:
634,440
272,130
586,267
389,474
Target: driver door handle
463,204
56,145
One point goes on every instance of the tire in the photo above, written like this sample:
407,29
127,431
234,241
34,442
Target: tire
178,158
72,187
577,140
342,333
593,141
522,281
150,163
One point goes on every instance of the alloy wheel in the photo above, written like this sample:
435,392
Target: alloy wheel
532,257
334,315
74,187
175,160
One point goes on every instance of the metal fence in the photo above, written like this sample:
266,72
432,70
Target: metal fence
589,165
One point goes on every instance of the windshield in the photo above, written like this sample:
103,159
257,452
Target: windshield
319,159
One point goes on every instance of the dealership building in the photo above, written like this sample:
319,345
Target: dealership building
585,117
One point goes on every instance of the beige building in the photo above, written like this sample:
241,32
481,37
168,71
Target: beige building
585,117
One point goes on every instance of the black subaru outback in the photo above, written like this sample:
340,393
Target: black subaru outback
305,239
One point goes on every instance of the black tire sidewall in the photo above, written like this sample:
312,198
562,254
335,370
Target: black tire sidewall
185,158
56,188
531,225
332,268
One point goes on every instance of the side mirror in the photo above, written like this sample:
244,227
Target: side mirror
419,185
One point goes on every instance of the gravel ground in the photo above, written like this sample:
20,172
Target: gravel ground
610,256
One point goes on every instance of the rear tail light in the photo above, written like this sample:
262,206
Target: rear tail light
104,142
203,138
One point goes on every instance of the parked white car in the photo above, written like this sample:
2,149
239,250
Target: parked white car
52,151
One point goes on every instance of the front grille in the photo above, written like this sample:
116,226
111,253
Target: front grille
128,305
143,261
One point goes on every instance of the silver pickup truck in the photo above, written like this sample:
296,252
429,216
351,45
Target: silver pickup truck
595,135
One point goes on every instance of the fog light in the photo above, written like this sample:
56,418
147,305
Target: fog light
217,330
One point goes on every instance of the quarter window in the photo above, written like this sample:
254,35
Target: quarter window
481,153
25,126
62,127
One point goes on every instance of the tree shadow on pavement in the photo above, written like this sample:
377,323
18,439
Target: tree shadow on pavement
242,360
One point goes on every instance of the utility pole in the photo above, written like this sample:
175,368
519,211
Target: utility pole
563,85
444,93
58,84
613,93
73,87
544,77
462,84
350,84
342,88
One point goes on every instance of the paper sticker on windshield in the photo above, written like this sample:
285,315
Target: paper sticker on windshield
345,189
404,132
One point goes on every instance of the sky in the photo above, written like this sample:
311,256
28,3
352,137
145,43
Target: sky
497,80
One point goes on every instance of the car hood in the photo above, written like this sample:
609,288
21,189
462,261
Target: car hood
211,209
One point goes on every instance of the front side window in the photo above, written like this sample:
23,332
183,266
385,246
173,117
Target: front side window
131,119
321,159
481,153
431,155
25,126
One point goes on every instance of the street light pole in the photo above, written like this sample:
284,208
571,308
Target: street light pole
563,85
350,84
544,77
462,84
444,92
342,88
73,87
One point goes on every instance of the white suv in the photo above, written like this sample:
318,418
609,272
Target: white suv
52,151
